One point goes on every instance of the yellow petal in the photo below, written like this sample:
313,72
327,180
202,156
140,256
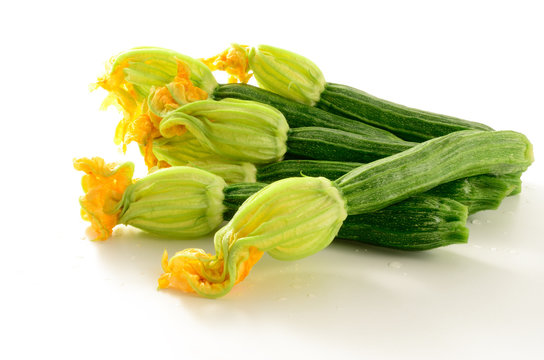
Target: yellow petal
234,61
104,185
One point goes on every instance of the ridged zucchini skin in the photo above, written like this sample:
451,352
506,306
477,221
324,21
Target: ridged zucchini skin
331,170
480,192
337,145
407,123
419,223
457,155
236,194
297,114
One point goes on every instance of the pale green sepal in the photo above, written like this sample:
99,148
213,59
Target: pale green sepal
236,130
182,202
290,219
286,73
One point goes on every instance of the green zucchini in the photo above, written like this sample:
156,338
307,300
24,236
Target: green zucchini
331,144
289,168
454,156
407,123
297,114
480,192
432,219
420,223
296,77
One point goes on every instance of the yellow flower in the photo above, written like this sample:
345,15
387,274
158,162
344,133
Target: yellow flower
234,61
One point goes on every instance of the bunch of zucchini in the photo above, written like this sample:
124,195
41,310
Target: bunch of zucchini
371,170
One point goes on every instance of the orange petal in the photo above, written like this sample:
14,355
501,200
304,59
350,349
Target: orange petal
104,186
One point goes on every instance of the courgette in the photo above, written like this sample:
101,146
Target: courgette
407,123
331,144
248,131
296,77
440,160
289,168
480,192
421,222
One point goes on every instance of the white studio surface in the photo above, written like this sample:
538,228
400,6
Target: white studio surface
67,297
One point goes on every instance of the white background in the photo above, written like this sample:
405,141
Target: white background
67,297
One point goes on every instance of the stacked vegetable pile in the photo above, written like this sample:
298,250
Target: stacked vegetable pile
292,163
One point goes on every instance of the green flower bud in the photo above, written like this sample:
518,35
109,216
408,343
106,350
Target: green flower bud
235,130
185,150
290,219
286,73
181,201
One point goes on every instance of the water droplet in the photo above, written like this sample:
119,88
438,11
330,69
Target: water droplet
477,246
476,221
395,265
493,249
281,298
357,250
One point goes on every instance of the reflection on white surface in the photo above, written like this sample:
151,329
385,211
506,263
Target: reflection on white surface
351,299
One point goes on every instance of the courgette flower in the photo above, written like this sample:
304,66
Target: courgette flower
286,73
236,130
290,219
180,201
277,70
162,77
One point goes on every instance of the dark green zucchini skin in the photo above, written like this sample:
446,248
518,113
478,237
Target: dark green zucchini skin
419,223
482,192
236,194
297,114
337,145
432,219
291,168
407,123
